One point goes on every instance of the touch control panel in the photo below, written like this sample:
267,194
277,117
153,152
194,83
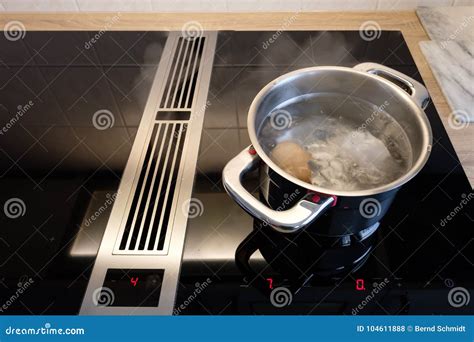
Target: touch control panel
133,287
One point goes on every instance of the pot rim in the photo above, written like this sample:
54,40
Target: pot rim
415,168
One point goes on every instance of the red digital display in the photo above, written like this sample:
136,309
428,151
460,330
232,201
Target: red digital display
360,285
134,281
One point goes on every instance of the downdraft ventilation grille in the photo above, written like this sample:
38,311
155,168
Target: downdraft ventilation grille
146,229
182,78
147,223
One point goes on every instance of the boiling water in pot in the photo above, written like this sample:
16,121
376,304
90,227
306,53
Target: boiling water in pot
336,142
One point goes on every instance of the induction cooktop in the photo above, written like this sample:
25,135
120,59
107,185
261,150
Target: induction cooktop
113,147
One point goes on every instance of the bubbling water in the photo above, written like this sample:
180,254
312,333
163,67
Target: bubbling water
353,144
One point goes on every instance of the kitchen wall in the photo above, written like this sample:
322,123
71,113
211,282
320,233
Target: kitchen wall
218,5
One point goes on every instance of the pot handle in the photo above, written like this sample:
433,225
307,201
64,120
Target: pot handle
287,221
417,90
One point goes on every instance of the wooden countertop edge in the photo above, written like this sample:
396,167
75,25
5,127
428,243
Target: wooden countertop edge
405,21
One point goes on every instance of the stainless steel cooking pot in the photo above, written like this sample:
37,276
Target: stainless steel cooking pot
286,213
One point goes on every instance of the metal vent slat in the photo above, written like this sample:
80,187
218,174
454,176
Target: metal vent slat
146,225
136,212
181,82
153,165
158,195
165,214
175,81
192,84
138,192
171,75
186,74
155,186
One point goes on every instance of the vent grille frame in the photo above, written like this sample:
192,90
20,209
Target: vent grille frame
141,227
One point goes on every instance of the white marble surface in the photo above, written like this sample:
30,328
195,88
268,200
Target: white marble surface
450,54
448,23
452,64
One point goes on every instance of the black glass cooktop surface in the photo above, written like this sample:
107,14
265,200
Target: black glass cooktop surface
70,106
420,259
